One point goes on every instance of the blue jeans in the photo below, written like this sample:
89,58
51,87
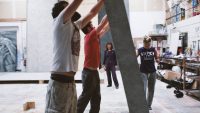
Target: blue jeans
149,80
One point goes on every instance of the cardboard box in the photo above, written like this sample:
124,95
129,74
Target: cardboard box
171,75
29,105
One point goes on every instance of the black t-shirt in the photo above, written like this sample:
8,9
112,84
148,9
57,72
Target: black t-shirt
147,60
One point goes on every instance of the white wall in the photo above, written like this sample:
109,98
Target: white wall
13,8
39,35
142,22
191,25
146,5
144,14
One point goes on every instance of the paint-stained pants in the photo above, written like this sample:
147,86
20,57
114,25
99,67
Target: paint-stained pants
61,97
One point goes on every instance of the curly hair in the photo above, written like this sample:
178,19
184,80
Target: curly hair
58,7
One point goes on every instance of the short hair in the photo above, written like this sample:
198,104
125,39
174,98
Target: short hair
109,43
58,7
146,39
76,16
84,29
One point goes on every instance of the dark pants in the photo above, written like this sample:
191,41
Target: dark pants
91,92
112,69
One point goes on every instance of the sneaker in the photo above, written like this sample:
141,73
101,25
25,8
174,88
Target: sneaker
117,87
150,108
109,86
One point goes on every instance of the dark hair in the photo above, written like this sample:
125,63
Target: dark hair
109,43
85,29
58,7
75,17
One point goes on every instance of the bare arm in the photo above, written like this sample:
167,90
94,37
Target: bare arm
102,26
92,13
104,30
70,10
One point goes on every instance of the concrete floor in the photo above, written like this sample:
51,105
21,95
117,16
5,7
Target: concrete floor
12,98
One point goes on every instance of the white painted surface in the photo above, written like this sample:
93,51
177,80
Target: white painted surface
142,22
13,8
191,26
39,35
146,5
174,43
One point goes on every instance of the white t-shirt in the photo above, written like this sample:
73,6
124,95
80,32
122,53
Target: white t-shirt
66,45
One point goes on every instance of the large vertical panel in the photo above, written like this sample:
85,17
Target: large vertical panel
126,56
39,35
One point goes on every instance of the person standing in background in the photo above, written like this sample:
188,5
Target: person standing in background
110,63
148,55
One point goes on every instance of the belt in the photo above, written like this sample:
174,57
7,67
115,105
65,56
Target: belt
87,69
62,78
